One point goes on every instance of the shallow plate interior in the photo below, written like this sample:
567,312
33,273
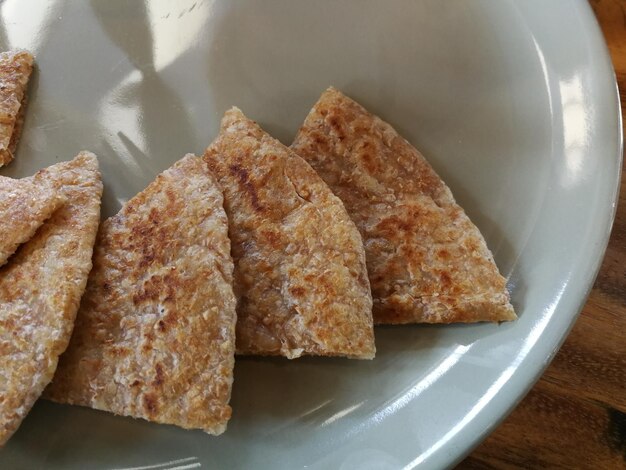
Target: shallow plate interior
514,104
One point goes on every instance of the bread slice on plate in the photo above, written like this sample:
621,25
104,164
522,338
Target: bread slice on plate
24,206
300,275
15,70
427,261
155,334
41,287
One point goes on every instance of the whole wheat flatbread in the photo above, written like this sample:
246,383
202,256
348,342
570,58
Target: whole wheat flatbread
427,261
300,275
15,70
24,206
155,334
41,286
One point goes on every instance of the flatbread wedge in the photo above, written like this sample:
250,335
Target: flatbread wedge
24,206
15,70
155,334
427,262
41,286
300,276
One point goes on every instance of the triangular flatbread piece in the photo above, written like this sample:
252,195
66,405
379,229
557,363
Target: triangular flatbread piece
427,261
300,275
155,334
41,287
24,206
15,70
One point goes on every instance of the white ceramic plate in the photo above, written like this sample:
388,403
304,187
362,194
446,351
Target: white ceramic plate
514,103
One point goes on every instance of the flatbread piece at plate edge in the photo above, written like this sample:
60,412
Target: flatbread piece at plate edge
15,70
155,335
300,276
41,287
427,262
24,205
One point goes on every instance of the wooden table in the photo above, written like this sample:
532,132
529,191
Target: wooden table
575,416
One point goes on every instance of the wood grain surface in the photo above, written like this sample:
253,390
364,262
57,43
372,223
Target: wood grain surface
575,416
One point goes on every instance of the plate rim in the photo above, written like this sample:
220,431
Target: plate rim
463,452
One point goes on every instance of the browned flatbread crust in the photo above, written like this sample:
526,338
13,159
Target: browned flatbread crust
300,275
155,334
41,286
24,206
15,70
427,261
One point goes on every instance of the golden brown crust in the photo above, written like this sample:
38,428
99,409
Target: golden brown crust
427,261
41,286
155,335
24,206
15,70
300,275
